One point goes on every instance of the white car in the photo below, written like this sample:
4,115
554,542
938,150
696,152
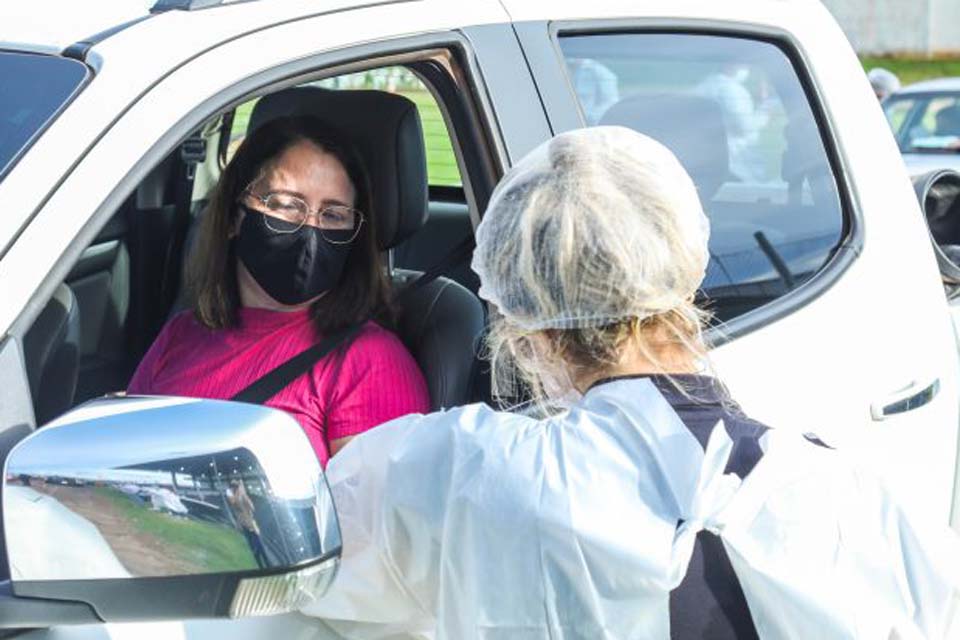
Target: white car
833,318
925,118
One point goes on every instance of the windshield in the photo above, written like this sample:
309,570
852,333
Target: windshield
925,123
33,88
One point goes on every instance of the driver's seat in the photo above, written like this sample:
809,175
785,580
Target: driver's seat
441,322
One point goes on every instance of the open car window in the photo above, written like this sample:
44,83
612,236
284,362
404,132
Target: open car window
442,170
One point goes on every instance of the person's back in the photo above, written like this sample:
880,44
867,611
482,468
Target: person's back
643,512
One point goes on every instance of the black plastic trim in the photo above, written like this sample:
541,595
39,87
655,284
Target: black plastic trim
78,50
282,76
439,193
154,599
513,93
540,41
472,141
34,613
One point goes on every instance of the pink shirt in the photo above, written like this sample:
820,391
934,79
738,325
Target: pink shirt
377,381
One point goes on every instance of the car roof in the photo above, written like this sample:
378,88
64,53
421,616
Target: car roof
52,25
938,85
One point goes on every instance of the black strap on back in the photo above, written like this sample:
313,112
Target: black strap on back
275,380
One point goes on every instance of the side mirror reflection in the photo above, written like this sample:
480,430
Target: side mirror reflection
132,488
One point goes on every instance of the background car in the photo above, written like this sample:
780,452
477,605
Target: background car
925,118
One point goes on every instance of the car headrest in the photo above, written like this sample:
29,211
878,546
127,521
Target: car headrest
690,126
385,128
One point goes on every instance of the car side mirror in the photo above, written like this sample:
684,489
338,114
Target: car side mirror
152,508
939,195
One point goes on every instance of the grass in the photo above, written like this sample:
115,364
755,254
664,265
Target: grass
911,70
210,546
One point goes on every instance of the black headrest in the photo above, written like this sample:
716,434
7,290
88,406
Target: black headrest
690,126
386,130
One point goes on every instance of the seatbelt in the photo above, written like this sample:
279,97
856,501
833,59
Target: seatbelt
193,151
274,381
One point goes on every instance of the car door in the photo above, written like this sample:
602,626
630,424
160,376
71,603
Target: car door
830,318
474,47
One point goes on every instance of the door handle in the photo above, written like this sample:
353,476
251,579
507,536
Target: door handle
913,396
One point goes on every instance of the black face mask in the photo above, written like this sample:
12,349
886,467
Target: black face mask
290,267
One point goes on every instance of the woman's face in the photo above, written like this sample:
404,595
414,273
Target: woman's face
310,173
282,265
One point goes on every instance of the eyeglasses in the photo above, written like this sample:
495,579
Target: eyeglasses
286,213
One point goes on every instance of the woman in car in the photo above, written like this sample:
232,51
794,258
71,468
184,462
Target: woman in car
646,504
287,254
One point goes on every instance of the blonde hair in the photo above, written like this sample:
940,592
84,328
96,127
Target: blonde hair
595,239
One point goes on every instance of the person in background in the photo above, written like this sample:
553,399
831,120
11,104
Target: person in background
883,82
646,503
743,118
286,254
245,513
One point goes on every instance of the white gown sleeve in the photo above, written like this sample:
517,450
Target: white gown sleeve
390,488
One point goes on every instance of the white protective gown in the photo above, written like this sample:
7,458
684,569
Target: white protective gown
477,524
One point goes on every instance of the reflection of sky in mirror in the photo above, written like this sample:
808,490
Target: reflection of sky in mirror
124,432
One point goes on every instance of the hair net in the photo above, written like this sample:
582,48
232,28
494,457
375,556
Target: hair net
883,82
594,226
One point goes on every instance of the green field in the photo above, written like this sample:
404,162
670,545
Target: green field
911,70
207,546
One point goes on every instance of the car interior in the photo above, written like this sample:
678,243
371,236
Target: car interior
92,333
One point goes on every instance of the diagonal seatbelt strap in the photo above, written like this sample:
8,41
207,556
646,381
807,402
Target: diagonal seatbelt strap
275,380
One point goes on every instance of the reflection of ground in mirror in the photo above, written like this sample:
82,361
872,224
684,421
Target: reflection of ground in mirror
152,543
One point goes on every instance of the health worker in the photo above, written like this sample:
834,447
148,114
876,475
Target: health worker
646,504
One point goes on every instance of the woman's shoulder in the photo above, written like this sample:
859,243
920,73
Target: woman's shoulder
373,334
376,343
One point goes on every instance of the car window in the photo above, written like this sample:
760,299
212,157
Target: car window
442,170
897,111
926,123
32,89
734,112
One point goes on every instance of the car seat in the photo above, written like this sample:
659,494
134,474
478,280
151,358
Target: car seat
51,352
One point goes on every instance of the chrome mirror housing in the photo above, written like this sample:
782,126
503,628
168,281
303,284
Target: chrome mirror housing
939,194
169,508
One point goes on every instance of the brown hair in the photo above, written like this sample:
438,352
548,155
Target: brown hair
211,276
